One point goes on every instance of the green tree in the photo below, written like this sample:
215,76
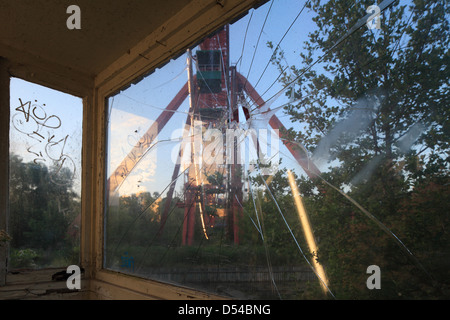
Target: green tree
377,104
41,210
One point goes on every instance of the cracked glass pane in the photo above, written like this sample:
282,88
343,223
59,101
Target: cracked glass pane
294,154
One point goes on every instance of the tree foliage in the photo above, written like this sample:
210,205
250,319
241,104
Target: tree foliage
377,104
41,213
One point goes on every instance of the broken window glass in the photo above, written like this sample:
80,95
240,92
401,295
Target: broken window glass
45,177
288,156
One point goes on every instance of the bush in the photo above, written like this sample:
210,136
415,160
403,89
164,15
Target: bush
24,258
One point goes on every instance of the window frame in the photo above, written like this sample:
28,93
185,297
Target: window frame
179,33
4,163
77,86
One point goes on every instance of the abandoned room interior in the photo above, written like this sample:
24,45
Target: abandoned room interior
224,149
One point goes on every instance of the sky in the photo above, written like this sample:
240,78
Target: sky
46,127
134,109
58,141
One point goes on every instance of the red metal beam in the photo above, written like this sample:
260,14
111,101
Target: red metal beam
136,154
310,169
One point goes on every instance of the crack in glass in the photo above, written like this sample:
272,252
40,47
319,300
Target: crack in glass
216,193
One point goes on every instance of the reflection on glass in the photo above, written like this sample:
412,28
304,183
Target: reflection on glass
45,176
287,155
